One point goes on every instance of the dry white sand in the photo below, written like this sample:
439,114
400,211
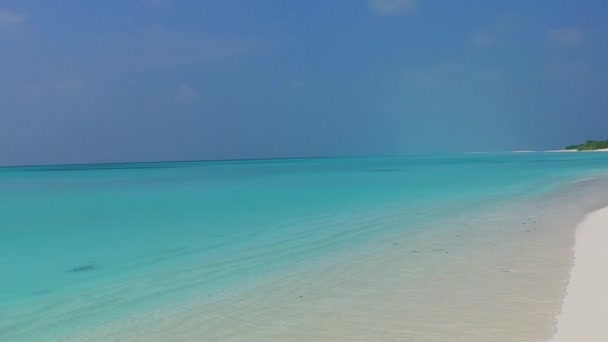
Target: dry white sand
584,315
600,150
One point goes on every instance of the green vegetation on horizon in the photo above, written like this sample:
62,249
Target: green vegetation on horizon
590,145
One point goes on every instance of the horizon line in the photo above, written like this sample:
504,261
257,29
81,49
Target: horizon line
85,164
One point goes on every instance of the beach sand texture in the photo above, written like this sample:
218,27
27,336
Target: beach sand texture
585,307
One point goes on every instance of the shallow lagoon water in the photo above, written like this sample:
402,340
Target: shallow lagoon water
225,249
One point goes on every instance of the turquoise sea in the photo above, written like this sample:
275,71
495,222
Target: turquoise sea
85,248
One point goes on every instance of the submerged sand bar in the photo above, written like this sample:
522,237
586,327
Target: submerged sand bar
584,315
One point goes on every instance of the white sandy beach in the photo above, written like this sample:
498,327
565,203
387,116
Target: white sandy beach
600,150
532,151
584,313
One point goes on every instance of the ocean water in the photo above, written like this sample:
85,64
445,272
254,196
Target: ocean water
420,248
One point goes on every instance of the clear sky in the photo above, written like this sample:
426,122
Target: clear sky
139,80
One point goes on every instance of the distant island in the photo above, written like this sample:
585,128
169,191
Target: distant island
590,145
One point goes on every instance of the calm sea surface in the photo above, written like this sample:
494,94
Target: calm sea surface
97,251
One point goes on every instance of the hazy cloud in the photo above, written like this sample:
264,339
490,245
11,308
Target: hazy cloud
568,37
10,18
443,76
69,85
160,47
185,95
567,71
501,28
484,38
392,7
157,4
52,88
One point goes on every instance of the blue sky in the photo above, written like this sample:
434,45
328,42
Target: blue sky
139,80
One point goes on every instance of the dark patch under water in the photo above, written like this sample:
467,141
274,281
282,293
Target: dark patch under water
83,268
384,170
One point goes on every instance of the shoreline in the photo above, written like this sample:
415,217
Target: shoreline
584,311
465,275
391,288
598,150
